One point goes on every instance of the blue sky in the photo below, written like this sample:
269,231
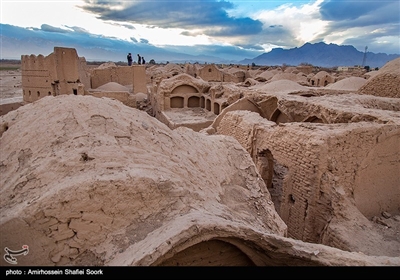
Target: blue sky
232,27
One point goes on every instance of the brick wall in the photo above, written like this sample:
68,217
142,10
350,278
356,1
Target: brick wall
324,167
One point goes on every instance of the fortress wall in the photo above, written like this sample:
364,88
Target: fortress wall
67,67
38,73
66,61
323,167
58,73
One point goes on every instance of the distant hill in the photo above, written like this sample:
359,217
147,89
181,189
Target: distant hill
321,54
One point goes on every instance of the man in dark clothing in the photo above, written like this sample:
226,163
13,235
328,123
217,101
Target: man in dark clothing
138,59
129,57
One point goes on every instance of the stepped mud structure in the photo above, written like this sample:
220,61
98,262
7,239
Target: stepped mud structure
201,165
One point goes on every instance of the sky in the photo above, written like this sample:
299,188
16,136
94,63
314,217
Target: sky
254,26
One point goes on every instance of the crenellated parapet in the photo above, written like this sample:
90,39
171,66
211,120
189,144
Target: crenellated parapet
61,72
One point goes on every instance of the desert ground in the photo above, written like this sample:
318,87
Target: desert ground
106,184
11,85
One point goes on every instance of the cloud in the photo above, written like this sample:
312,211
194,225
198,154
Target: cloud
209,16
286,24
340,10
226,28
77,29
49,28
360,23
378,40
289,25
345,14
53,29
128,26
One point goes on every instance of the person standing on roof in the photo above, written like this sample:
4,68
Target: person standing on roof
129,57
139,59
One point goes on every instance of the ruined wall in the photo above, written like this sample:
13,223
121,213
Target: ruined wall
210,73
55,74
182,86
290,148
38,75
67,72
364,159
241,104
234,75
321,79
84,74
306,69
10,104
123,96
121,75
139,79
321,160
125,75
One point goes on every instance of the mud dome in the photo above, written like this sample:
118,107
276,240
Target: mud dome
95,177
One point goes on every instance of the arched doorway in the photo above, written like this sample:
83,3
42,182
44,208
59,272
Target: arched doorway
210,253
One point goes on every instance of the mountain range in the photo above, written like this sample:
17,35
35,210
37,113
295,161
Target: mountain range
321,54
17,41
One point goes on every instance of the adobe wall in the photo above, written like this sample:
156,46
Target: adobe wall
210,73
234,75
181,86
121,75
38,75
123,96
125,75
321,161
322,79
306,69
84,74
241,104
10,104
56,74
184,118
